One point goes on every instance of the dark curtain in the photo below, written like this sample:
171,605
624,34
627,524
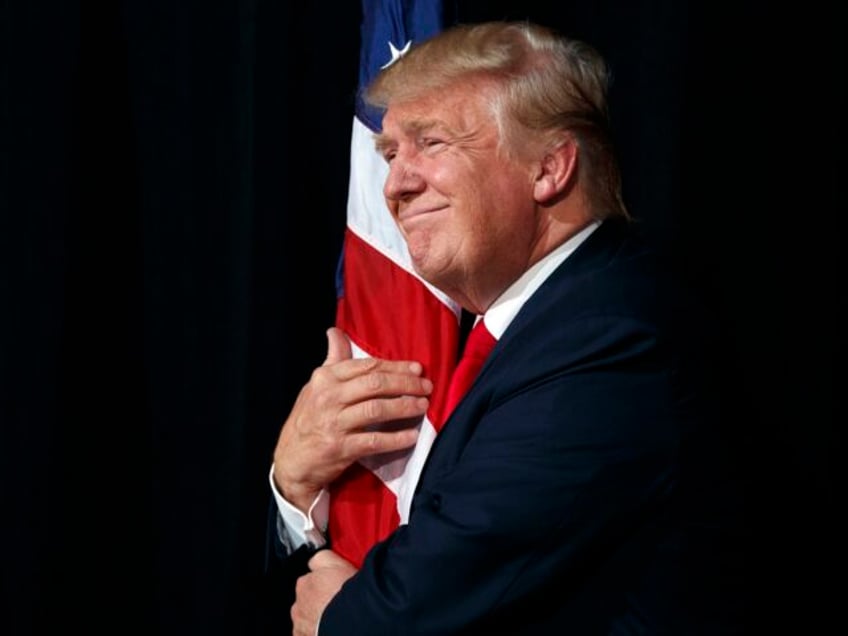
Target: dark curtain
173,181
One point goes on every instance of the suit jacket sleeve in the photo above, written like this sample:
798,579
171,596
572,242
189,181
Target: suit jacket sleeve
564,444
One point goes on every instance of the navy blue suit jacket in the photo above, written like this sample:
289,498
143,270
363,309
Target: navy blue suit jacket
578,488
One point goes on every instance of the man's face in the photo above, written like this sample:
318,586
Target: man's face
465,209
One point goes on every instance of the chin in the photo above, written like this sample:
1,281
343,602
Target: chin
417,254
420,267
427,263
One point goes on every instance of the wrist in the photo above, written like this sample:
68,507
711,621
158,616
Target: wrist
299,494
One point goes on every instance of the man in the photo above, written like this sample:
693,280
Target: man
577,488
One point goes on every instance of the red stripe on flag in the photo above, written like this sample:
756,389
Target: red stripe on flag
363,511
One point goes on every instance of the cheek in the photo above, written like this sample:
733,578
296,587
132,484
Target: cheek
443,177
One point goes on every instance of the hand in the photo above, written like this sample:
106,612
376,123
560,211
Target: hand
350,408
328,572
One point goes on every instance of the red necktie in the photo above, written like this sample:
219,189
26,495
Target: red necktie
477,347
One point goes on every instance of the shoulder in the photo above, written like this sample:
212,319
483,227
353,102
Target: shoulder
616,293
615,272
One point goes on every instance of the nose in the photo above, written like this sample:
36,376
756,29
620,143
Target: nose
403,181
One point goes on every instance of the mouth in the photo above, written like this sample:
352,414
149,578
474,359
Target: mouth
408,215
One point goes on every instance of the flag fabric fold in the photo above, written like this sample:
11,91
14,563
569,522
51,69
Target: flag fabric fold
385,309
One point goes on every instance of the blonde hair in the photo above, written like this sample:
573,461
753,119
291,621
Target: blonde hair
542,83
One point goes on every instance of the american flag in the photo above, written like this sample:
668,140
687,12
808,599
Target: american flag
386,310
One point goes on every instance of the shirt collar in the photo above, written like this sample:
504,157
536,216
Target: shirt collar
506,306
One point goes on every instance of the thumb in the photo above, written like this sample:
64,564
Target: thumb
338,346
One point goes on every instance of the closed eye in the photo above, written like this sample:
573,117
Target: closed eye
430,142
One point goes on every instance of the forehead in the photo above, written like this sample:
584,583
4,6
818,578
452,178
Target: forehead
456,108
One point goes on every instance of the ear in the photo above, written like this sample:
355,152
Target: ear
556,170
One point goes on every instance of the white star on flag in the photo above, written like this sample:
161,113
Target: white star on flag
397,53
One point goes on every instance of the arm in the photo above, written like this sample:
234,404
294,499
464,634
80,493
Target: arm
524,500
337,418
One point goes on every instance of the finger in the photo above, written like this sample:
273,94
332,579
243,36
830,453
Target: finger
338,346
380,413
376,442
373,397
349,369
381,384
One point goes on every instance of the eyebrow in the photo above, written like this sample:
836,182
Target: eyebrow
382,142
410,129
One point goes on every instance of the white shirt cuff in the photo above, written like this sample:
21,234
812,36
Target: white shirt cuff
302,528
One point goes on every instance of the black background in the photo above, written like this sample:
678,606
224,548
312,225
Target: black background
173,181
